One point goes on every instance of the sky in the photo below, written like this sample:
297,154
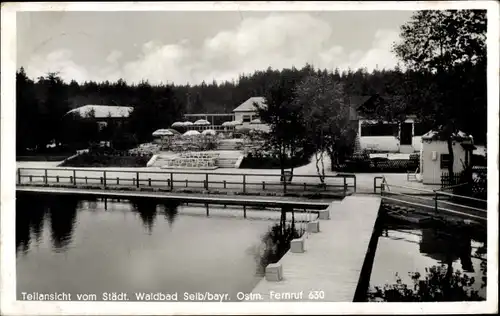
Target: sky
191,47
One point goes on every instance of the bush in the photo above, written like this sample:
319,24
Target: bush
124,141
262,160
275,244
437,286
108,157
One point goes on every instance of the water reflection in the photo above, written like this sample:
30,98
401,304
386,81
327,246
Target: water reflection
447,248
276,242
62,215
170,210
23,225
147,211
111,252
404,249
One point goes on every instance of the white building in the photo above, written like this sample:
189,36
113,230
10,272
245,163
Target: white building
374,135
383,136
435,158
103,114
247,114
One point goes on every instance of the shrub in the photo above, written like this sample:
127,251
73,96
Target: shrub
276,243
437,286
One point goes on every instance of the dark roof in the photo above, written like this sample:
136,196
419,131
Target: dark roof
358,100
363,104
468,146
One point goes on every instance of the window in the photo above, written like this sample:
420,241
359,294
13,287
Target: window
445,161
421,129
378,129
246,118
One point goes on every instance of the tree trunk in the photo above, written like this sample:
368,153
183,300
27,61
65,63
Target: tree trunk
283,221
282,160
333,159
450,165
321,178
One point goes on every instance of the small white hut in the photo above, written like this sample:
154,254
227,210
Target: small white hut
435,157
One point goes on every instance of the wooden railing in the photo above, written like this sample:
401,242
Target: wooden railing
170,180
218,128
438,201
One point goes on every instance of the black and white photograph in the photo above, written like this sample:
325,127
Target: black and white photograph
156,157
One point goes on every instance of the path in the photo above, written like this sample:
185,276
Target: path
298,203
364,181
332,262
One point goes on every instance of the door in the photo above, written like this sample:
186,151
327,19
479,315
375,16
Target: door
406,133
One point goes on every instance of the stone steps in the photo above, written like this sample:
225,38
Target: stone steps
226,162
226,145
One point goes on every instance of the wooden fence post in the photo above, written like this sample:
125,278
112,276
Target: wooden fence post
244,183
19,175
206,181
171,181
436,202
46,177
137,179
104,179
74,176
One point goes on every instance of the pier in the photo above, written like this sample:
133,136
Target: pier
288,202
178,181
332,266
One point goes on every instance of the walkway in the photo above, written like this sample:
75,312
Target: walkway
298,203
364,181
332,262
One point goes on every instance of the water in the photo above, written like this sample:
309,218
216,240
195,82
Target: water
402,249
76,246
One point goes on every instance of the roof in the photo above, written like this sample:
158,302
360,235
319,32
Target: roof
104,111
436,134
248,105
358,100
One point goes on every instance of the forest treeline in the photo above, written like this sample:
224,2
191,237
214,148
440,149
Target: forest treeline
43,102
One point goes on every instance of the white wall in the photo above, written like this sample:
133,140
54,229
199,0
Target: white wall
380,143
431,169
261,127
416,142
238,116
385,143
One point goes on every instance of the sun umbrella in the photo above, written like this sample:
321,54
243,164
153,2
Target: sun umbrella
177,124
187,123
175,132
227,123
237,123
256,121
202,122
209,132
163,132
191,133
